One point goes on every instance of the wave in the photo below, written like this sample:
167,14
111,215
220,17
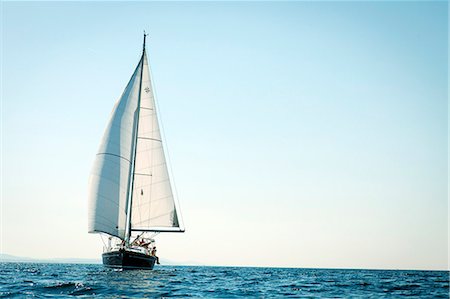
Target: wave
64,285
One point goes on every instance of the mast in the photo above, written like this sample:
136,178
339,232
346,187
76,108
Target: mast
132,170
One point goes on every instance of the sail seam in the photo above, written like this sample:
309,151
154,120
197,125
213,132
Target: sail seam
154,218
108,199
148,138
114,156
142,174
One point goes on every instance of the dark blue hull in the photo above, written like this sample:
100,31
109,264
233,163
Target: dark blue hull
125,259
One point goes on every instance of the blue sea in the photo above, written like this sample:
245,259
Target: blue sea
30,280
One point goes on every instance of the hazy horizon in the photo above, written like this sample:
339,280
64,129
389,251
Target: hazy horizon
300,134
97,261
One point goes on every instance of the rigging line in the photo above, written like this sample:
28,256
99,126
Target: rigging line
150,149
154,235
156,106
101,231
103,241
114,156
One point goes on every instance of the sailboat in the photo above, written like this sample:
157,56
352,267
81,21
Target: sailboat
131,198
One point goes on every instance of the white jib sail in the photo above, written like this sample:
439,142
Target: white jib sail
153,206
110,175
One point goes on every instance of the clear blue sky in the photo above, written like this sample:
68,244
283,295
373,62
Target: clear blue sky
301,134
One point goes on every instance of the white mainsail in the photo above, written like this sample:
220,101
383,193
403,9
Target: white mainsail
129,185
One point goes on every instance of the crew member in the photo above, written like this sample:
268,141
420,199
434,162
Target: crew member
154,254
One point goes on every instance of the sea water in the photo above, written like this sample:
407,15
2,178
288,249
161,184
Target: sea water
28,280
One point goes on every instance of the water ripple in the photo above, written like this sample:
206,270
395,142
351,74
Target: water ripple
18,280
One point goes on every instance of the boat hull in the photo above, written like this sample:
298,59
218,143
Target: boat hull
126,259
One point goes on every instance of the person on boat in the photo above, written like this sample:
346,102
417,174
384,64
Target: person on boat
154,254
145,244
